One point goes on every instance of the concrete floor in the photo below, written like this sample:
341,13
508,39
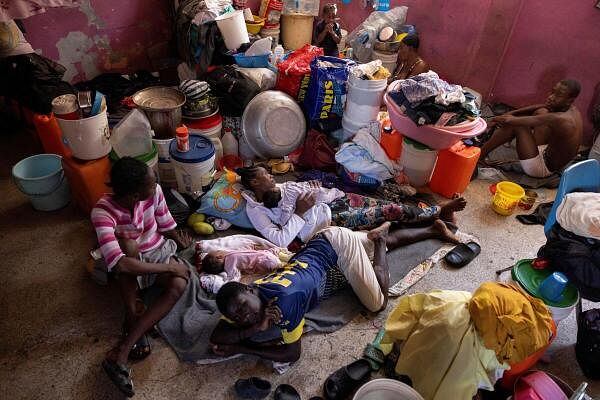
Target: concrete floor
56,324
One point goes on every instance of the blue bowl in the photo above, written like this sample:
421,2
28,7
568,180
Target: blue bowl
261,61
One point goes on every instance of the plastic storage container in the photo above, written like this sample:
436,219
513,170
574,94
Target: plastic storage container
233,29
50,134
507,197
307,7
363,104
386,389
194,169
261,61
387,60
418,162
87,137
87,180
42,179
211,128
296,30
391,142
453,170
430,135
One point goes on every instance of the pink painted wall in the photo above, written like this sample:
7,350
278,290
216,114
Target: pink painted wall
101,35
509,50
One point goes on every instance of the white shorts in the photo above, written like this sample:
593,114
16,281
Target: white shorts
536,166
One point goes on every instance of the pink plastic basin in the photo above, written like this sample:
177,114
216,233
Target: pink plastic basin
431,135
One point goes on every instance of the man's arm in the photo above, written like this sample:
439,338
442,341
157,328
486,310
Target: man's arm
226,333
321,36
525,110
281,353
533,120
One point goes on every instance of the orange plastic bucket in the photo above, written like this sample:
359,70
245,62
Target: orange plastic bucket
507,197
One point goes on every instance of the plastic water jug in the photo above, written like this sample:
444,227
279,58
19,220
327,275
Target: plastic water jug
391,142
230,143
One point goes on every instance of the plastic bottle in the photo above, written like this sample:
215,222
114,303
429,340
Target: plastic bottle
391,142
278,54
230,143
183,139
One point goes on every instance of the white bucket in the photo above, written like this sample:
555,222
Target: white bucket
350,126
194,169
166,172
273,33
373,84
386,389
296,30
233,29
387,60
213,134
87,137
418,163
363,105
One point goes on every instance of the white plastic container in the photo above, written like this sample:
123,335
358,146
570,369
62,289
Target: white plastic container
194,169
387,60
233,29
166,171
558,313
418,162
211,128
88,138
362,105
230,143
296,30
372,84
273,33
386,389
350,126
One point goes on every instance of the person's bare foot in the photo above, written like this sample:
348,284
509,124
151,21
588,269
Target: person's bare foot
443,233
379,233
448,209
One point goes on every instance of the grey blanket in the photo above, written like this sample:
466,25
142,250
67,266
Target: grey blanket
187,328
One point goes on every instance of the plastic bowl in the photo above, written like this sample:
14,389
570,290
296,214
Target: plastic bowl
435,137
261,61
255,26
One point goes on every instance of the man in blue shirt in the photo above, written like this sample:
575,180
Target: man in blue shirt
282,298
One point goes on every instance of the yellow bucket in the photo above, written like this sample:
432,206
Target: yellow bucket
507,197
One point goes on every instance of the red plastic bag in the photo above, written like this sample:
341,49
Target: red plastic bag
316,152
294,68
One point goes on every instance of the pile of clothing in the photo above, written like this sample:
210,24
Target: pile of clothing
428,100
453,343
573,245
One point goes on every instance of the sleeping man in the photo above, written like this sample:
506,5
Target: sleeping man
333,258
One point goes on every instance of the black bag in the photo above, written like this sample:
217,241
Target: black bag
232,88
587,348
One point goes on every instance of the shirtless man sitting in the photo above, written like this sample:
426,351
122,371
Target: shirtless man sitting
548,135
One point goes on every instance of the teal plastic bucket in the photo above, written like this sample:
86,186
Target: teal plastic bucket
42,179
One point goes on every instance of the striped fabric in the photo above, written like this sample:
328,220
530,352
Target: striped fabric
113,222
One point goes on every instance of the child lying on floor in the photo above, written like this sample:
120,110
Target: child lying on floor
221,266
282,206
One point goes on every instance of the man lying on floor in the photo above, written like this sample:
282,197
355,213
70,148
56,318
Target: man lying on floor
331,259
138,240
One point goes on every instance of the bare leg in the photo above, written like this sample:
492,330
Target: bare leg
449,208
405,236
501,135
174,287
380,266
128,284
526,144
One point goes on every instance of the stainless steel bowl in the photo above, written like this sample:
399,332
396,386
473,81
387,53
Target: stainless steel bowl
387,47
162,106
273,124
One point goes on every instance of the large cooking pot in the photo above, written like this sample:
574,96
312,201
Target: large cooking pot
273,124
162,106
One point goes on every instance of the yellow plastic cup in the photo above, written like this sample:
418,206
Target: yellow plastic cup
507,197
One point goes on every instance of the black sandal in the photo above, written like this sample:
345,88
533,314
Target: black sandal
120,375
141,349
462,254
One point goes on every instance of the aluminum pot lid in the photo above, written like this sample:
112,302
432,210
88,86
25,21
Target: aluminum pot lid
273,124
201,149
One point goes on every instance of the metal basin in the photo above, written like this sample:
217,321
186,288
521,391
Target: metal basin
273,124
162,106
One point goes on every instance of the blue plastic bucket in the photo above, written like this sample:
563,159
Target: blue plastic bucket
42,179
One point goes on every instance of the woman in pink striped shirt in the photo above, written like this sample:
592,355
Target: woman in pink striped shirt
138,240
